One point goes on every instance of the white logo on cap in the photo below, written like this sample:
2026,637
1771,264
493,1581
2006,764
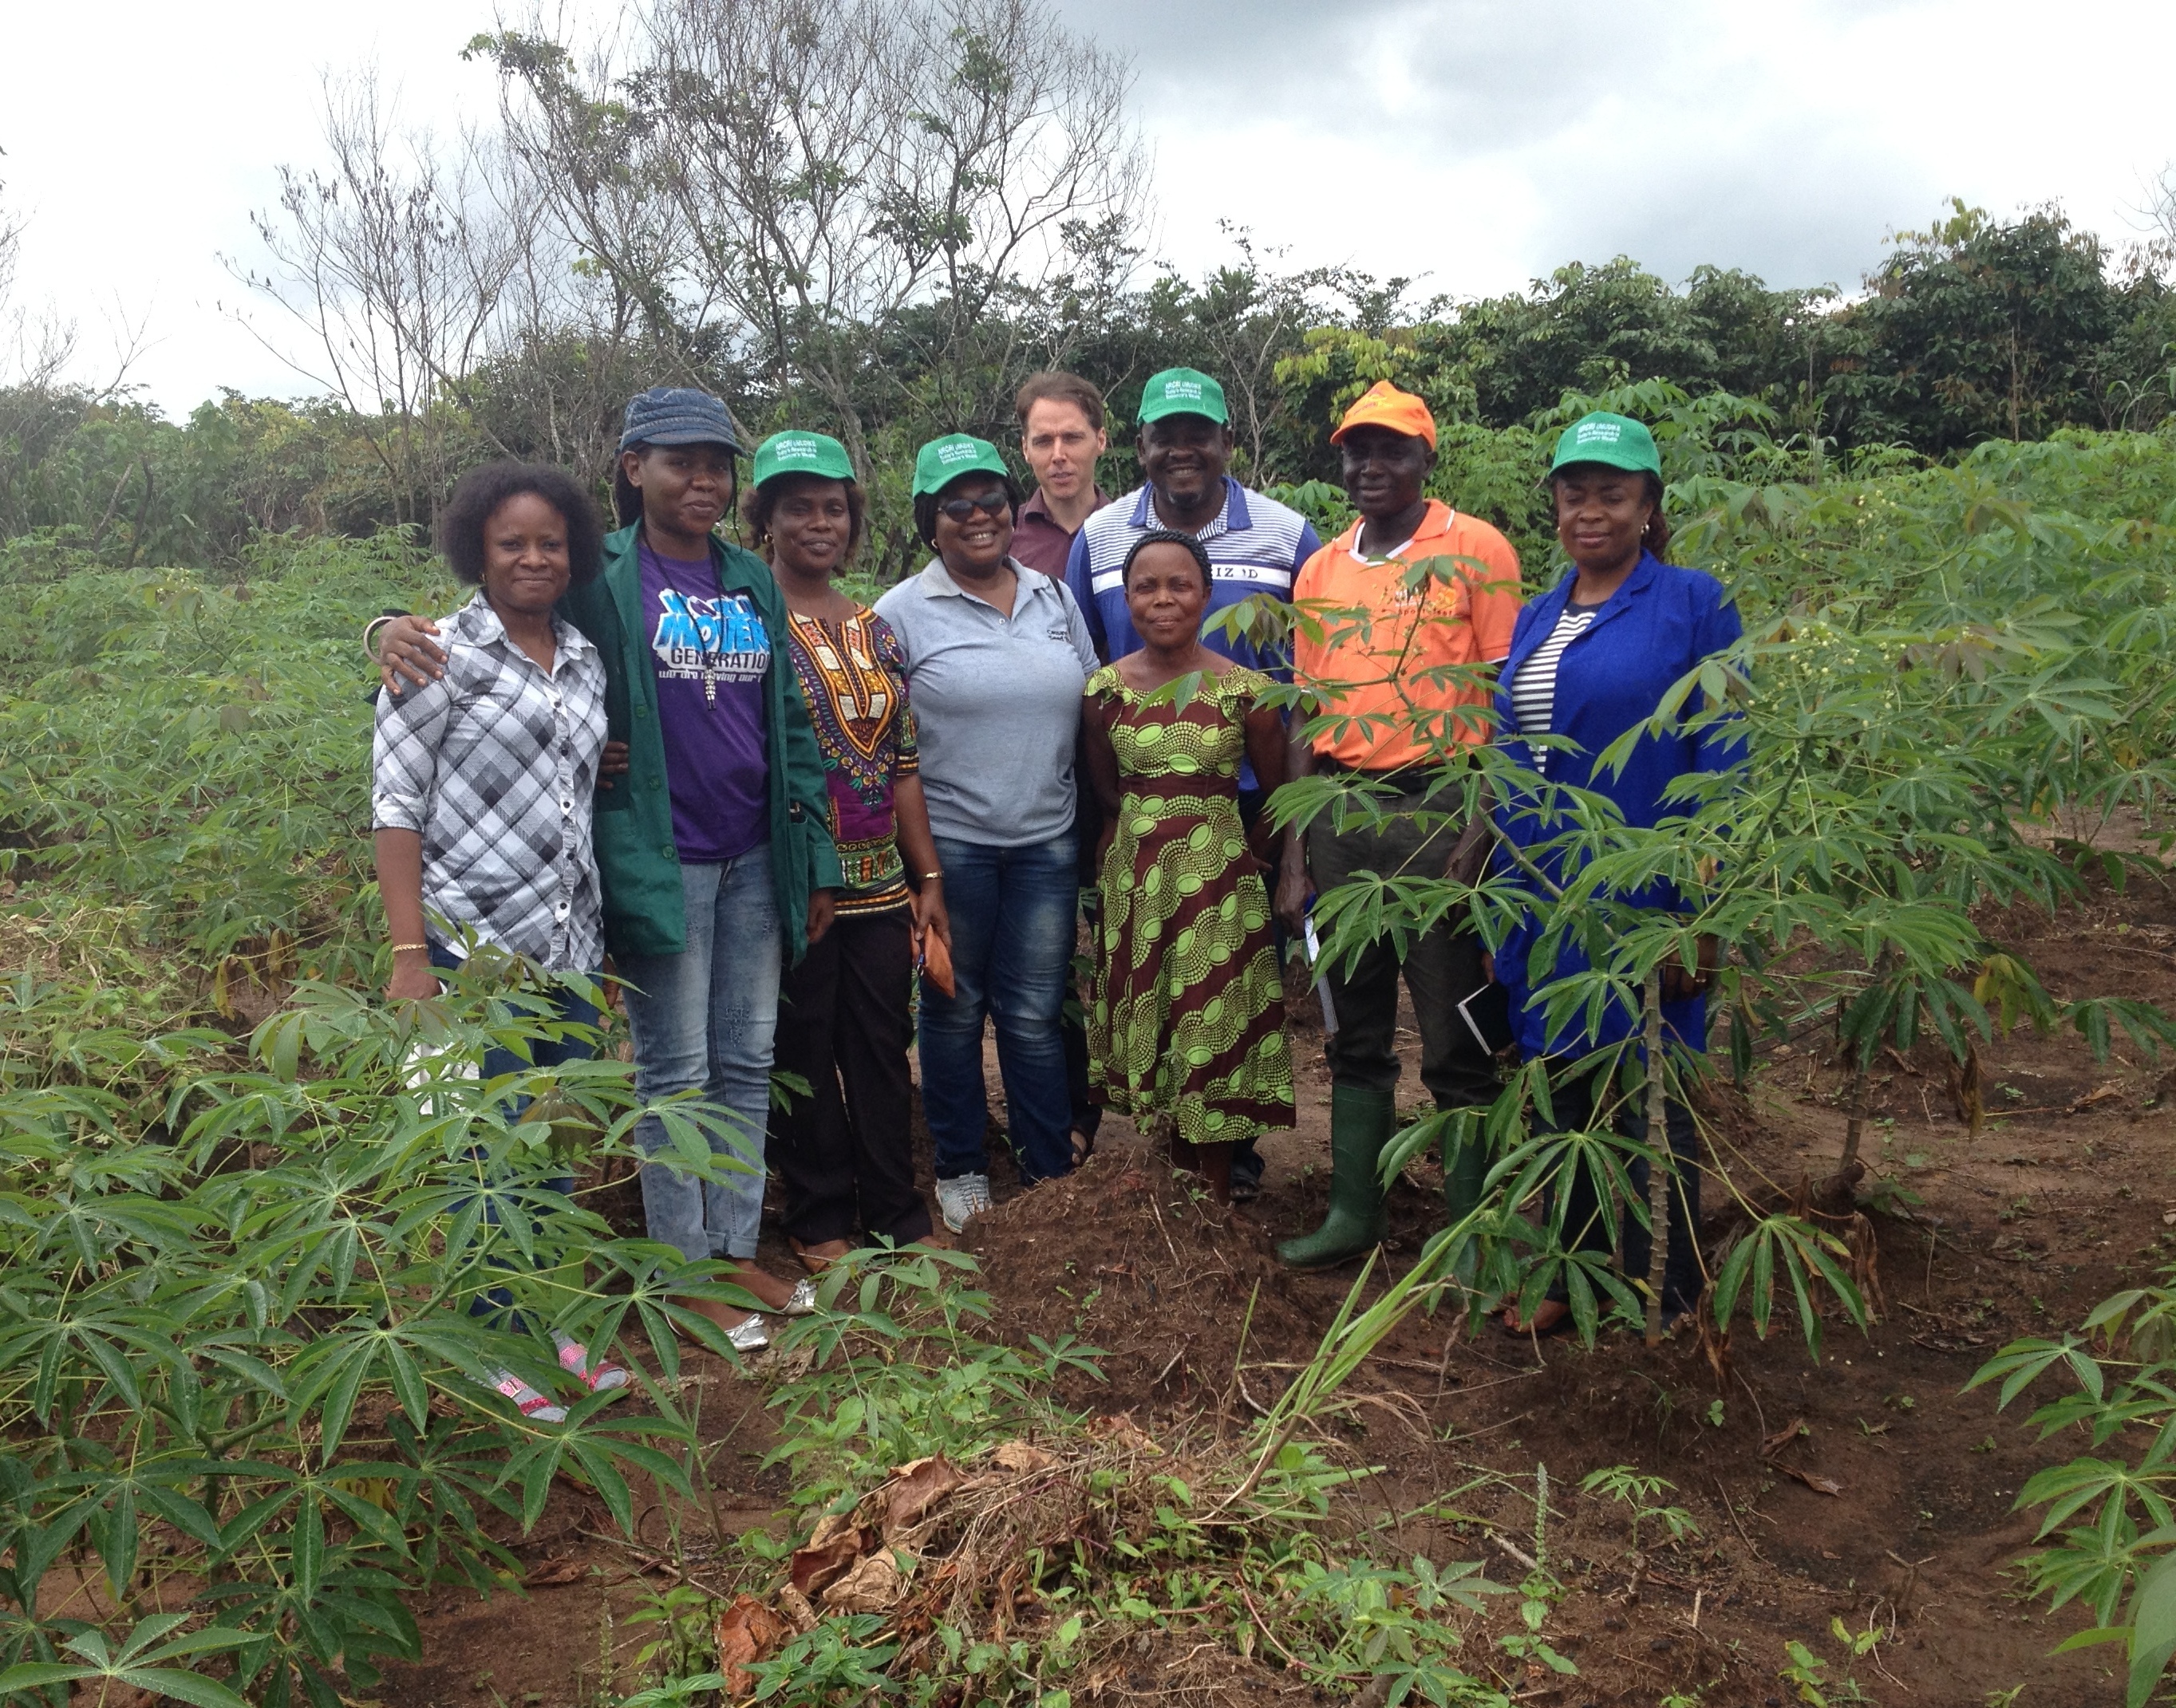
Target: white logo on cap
957,453
1608,432
1181,388
795,447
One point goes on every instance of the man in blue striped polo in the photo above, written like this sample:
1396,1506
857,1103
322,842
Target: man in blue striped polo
1255,545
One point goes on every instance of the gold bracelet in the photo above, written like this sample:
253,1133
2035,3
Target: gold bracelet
925,877
403,947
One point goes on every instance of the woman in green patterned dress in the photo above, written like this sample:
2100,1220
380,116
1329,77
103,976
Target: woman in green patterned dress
1186,1015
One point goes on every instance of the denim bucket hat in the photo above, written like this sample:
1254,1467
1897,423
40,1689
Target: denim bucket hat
679,415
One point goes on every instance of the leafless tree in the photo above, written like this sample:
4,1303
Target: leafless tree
824,193
396,260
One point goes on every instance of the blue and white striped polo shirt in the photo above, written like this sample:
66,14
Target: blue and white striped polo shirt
1255,546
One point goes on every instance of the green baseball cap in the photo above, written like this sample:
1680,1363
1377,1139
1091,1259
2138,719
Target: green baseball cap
940,462
1615,440
1181,391
792,453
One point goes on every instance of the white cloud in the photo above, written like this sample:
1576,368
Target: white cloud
1481,142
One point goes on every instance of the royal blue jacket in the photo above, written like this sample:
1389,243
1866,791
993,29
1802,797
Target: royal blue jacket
1652,632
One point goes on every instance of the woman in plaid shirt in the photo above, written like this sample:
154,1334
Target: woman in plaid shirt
481,782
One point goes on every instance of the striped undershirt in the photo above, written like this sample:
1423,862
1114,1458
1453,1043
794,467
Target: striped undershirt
1534,688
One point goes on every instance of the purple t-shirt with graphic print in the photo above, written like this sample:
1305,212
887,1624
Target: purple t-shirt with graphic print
710,650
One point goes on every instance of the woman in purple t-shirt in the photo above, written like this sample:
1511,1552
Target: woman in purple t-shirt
713,847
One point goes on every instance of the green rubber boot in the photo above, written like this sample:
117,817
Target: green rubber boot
1361,1123
1464,1168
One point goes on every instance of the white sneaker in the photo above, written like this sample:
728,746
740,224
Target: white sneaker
962,1199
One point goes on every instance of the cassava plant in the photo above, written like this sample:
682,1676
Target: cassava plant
240,1352
1913,694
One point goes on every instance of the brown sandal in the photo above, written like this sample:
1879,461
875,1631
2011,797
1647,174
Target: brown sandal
816,1262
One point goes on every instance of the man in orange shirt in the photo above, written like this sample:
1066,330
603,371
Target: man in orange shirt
1400,659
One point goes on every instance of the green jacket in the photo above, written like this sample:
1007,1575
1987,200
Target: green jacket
645,912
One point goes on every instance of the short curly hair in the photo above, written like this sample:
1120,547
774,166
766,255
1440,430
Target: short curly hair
1189,543
482,491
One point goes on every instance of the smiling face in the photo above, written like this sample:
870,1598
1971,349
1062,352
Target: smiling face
1184,457
1384,470
1601,513
811,524
1166,593
526,563
685,488
974,544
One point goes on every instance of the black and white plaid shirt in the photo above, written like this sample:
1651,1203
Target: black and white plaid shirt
493,766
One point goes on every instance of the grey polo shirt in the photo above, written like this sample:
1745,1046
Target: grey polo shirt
996,703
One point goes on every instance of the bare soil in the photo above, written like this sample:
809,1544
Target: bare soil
2063,1196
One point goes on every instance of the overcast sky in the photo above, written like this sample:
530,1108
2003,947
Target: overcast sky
1476,142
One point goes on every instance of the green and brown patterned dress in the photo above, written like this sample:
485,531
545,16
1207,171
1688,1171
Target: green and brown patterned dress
1186,1015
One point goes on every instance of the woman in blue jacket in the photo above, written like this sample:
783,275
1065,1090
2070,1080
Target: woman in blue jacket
1590,660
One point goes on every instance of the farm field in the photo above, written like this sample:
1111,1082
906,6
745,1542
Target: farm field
2023,1227
1118,1455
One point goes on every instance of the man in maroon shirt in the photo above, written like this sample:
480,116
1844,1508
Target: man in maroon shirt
1061,417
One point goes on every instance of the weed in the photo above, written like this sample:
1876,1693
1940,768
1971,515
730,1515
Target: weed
1637,1492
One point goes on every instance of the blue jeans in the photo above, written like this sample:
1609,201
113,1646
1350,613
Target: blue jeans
543,1052
1012,913
703,1020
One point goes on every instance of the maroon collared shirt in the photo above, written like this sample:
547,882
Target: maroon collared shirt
1039,542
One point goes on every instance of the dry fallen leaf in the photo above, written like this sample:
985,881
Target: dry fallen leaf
1819,1485
1122,1431
746,1631
1773,1444
1020,1458
794,1606
2099,1094
550,1573
873,1587
836,1544
916,1490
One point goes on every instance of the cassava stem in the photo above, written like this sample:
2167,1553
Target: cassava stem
1659,1169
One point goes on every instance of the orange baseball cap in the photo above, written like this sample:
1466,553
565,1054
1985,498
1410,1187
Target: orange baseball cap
1383,405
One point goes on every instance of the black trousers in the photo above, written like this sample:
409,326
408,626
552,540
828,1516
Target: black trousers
1575,1103
843,1151
1442,968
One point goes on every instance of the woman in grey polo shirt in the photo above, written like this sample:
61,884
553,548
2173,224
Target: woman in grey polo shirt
996,656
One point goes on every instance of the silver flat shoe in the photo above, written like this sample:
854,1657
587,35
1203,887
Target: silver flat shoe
750,1336
802,1303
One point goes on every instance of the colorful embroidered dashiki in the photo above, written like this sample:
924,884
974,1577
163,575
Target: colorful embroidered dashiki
853,675
1186,1015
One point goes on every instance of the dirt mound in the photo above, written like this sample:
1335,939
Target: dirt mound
1131,1257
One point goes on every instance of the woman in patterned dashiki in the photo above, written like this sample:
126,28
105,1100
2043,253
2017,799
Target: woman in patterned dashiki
479,794
843,1019
1186,1015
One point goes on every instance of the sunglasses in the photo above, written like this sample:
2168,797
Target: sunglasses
990,503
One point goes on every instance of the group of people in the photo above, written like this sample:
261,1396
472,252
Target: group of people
775,816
